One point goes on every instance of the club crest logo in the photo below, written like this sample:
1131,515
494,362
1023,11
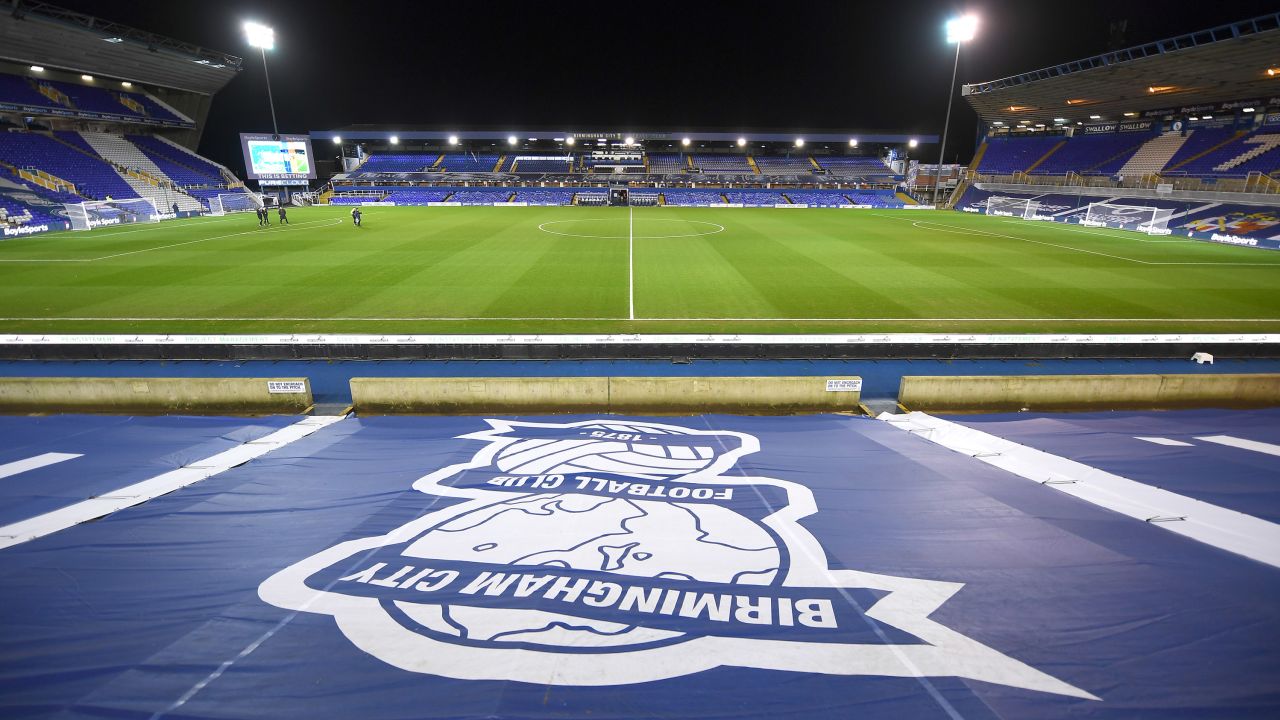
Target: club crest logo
607,552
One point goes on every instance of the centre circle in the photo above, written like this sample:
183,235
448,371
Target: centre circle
711,229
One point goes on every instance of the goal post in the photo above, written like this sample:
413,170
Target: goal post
98,213
1002,206
1140,218
234,202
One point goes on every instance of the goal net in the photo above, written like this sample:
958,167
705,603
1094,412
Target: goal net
97,213
1012,207
233,202
1142,218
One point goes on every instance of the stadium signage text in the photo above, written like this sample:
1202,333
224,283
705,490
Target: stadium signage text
1099,128
1233,240
1137,126
25,230
607,552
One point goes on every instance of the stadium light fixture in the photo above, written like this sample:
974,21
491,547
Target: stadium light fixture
260,36
1206,117
628,141
1248,110
799,142
853,142
1059,120
1095,117
912,142
1193,117
960,30
997,122
125,83
569,141
685,142
337,139
512,140
87,78
453,139
37,68
264,38
394,139
742,142
1271,72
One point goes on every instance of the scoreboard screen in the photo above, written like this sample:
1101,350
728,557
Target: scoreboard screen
278,159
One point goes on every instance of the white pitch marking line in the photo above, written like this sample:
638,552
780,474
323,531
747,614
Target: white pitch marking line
37,461
1106,235
140,492
1243,444
631,264
273,230
970,231
668,319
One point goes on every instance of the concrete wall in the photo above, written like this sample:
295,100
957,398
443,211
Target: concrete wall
199,396
660,395
1000,393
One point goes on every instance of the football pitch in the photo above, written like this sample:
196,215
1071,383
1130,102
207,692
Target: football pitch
622,270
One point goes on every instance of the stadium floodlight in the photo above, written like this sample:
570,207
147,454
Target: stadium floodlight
264,38
799,142
337,140
1206,117
959,31
912,142
37,68
853,142
395,139
1059,120
685,142
628,141
125,83
1095,117
962,29
1248,110
1193,117
742,141
87,78
453,139
569,141
512,140
260,36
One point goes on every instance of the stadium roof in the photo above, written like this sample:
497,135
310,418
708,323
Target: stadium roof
1221,64
37,33
412,132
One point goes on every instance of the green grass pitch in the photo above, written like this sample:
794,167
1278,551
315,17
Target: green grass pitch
618,270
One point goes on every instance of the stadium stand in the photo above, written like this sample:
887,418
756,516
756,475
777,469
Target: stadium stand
545,196
755,198
407,162
692,197
482,196
466,162
817,198
1103,154
788,165
1199,142
667,163
1154,154
155,146
1007,155
68,158
722,163
539,165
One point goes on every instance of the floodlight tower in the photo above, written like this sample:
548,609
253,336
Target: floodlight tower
264,38
959,31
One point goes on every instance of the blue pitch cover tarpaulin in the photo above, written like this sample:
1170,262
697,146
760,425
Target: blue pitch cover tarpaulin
1229,458
744,567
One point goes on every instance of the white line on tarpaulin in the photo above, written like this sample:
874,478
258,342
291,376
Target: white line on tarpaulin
140,492
1211,524
32,463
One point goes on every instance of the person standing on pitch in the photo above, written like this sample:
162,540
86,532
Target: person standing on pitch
284,219
355,216
259,212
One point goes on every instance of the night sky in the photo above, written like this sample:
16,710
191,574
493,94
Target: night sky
632,66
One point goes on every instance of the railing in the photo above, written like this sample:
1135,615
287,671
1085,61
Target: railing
1254,182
